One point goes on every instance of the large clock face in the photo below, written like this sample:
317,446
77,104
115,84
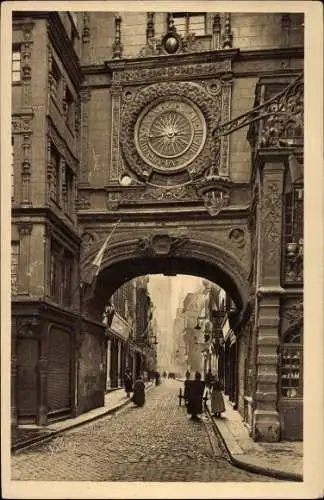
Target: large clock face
170,133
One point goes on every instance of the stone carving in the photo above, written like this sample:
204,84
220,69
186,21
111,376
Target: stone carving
83,201
227,35
116,92
170,43
286,120
87,241
237,237
210,107
112,200
293,313
294,262
168,72
86,28
117,45
271,218
26,53
28,327
20,125
160,245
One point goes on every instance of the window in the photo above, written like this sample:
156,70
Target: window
68,182
15,251
61,265
291,365
55,79
190,22
16,65
54,275
68,109
55,166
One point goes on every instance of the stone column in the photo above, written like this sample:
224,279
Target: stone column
108,381
119,364
266,423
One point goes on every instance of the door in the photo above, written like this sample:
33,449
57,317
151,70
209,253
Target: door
59,372
27,379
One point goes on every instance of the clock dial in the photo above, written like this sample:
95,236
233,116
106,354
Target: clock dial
170,134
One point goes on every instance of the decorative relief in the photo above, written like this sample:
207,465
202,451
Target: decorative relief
169,72
237,237
190,95
83,201
116,91
26,171
21,124
271,219
226,116
159,245
112,200
178,193
87,241
170,43
26,53
27,327
292,313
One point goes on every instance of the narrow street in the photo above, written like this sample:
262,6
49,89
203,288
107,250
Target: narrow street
154,443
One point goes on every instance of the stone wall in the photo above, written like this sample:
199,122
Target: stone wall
91,367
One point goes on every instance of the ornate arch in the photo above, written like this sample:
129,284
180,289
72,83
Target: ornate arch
134,257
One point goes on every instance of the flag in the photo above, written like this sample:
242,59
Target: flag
90,276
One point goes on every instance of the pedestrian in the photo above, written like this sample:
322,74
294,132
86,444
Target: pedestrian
195,396
128,382
216,397
139,392
157,378
187,383
208,378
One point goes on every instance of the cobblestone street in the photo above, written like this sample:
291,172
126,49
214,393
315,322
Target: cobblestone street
155,443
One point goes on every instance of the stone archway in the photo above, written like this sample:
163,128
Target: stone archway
164,254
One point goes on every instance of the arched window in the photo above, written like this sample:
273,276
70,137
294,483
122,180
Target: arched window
291,364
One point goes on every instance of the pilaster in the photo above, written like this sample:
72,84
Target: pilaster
266,422
119,364
108,381
25,229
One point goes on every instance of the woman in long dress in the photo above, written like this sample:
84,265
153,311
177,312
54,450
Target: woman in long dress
216,398
139,392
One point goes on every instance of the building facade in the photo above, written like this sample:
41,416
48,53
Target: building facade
143,117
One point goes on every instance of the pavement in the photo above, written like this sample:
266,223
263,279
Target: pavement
28,436
157,442
282,460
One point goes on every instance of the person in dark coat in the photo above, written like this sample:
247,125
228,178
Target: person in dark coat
195,396
139,392
187,383
128,382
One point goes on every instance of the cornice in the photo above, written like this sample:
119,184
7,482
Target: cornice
163,214
246,54
45,214
207,56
